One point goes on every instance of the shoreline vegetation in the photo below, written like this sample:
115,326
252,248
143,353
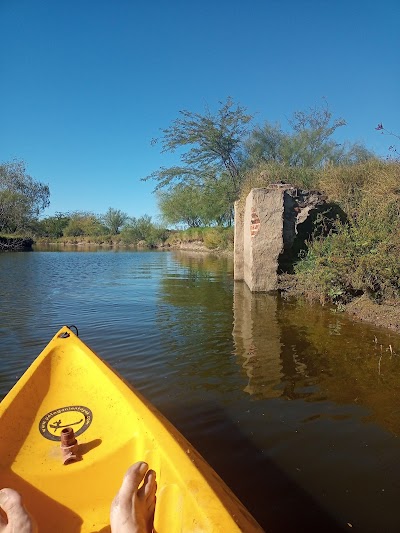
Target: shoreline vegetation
215,240
360,308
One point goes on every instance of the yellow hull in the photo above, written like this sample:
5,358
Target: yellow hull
68,385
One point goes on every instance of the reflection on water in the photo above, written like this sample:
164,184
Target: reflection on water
328,390
295,406
295,350
257,337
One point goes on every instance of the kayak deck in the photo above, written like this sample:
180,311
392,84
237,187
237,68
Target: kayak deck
69,386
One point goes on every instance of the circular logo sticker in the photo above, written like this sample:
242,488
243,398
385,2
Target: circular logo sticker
78,417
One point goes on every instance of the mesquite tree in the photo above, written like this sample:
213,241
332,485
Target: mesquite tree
213,142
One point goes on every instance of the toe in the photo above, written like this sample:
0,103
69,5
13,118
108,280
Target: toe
10,501
132,480
149,485
130,485
17,517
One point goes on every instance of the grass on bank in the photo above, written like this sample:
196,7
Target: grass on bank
212,238
361,254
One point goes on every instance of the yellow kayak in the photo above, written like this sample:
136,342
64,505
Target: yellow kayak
70,489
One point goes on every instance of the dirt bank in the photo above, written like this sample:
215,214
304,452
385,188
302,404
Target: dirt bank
191,246
385,315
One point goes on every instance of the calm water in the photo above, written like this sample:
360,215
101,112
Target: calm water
295,406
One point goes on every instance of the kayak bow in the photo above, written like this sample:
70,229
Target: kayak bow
68,386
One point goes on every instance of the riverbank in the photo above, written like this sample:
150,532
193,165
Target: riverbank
385,315
196,245
14,244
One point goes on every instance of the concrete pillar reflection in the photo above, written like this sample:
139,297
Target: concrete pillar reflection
257,340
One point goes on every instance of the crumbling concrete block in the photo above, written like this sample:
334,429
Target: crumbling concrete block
265,230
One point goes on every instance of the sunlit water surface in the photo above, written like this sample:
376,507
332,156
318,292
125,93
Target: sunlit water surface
295,406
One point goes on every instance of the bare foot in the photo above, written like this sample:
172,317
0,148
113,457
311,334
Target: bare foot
132,510
15,518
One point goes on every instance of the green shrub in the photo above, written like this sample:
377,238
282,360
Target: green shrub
361,255
358,257
213,238
221,238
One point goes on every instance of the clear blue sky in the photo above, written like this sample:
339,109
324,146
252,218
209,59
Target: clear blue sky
86,84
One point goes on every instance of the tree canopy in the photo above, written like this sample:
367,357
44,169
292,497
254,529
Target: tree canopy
209,146
143,229
197,205
213,141
217,152
53,226
309,143
22,198
114,219
84,223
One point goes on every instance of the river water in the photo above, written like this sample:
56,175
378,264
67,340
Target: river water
295,406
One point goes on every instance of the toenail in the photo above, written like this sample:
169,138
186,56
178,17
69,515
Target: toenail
3,497
143,468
